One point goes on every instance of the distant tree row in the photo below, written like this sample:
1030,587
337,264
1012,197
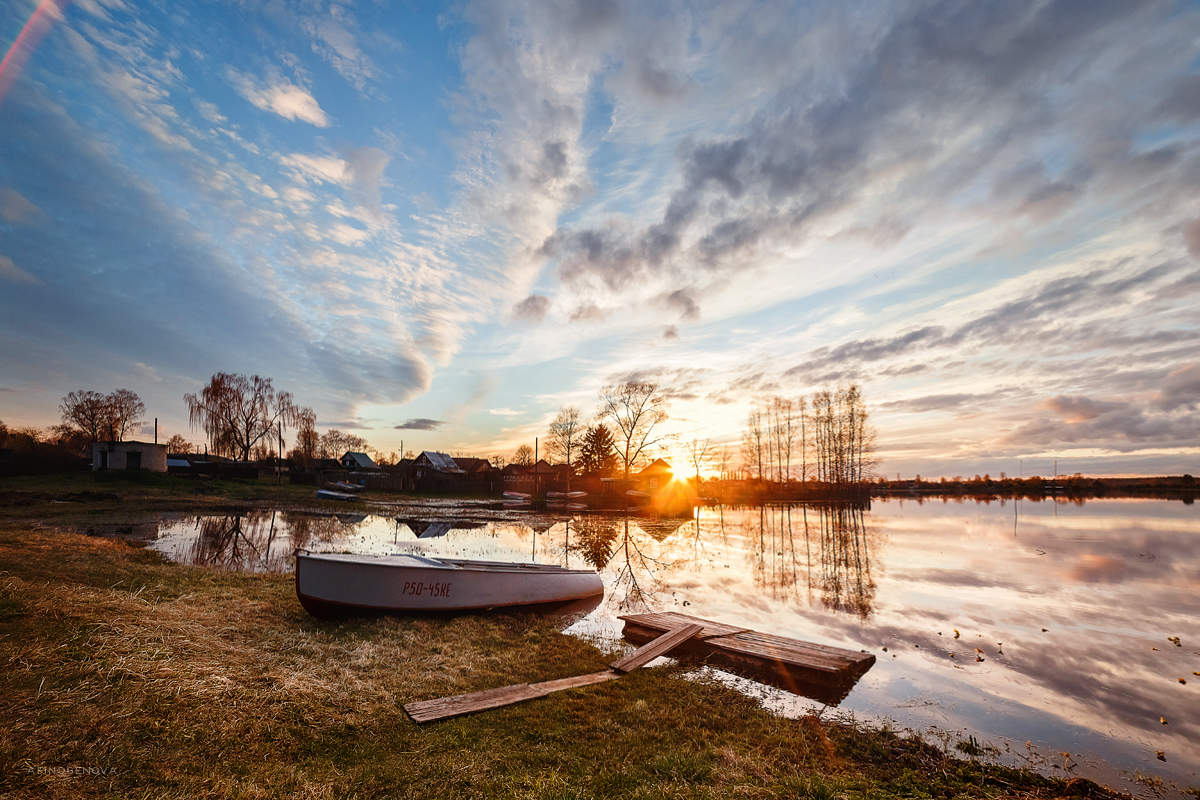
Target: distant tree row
782,435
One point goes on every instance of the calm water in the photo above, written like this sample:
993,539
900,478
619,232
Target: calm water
1039,623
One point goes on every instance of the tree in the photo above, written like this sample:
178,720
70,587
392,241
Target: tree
125,409
597,454
698,451
178,444
307,439
87,411
565,435
335,444
523,456
754,443
635,410
236,412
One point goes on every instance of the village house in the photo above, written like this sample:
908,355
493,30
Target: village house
358,461
655,476
129,456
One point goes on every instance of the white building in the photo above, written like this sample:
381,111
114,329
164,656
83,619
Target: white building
129,455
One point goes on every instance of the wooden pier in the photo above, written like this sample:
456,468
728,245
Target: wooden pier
818,671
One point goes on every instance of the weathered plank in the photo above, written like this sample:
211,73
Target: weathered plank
443,707
575,681
660,646
459,704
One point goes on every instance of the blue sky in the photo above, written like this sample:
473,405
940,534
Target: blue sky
476,213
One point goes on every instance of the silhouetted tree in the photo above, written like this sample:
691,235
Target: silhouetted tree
523,456
597,454
236,412
335,444
754,443
125,409
307,439
87,411
178,444
635,410
565,435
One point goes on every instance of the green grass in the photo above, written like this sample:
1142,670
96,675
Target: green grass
185,682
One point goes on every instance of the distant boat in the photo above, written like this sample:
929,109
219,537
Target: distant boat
344,486
329,583
636,494
329,494
565,495
518,496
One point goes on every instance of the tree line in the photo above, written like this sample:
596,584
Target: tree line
826,438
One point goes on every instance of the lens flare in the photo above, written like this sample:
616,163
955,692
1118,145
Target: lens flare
22,47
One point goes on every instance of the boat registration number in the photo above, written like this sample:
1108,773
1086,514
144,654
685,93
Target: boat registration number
432,589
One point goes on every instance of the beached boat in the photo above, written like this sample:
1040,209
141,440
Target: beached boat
517,496
329,583
565,495
329,494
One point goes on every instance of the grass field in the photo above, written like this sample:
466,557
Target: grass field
125,676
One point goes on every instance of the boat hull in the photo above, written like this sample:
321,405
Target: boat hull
336,584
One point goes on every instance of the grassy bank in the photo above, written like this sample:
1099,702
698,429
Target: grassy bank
121,675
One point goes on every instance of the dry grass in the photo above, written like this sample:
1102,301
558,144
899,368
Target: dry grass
184,682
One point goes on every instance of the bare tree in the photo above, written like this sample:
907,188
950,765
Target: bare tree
307,439
335,444
87,411
565,435
236,412
636,410
178,444
523,456
125,409
754,443
698,452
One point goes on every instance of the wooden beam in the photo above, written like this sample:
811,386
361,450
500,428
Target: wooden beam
659,647
459,704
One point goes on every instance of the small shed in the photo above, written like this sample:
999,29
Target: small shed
353,460
129,456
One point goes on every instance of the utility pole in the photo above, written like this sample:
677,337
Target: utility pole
156,430
279,464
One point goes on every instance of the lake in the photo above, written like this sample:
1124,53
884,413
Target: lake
1045,630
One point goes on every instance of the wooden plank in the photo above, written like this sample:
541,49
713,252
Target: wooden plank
667,620
443,707
660,646
459,704
546,687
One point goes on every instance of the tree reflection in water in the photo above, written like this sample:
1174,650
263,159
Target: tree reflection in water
633,554
258,541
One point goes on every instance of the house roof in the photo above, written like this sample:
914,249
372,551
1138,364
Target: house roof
360,459
657,466
471,464
440,461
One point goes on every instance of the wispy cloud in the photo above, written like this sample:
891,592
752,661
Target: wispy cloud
420,424
278,96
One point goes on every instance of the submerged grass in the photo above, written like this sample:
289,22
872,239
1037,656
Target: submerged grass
122,675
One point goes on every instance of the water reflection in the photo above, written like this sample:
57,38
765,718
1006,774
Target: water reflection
1046,622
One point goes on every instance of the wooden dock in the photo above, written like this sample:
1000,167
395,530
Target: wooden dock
818,671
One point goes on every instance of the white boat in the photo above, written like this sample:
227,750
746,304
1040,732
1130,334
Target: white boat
328,583
565,495
329,494
522,496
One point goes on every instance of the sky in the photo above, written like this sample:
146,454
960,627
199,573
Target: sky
438,224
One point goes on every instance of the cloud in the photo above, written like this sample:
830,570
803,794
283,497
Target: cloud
533,308
11,272
15,208
333,38
670,332
1191,235
1181,389
683,301
420,424
279,97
